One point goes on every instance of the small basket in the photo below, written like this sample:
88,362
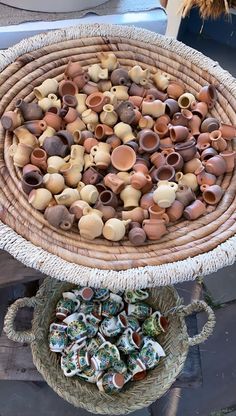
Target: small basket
135,395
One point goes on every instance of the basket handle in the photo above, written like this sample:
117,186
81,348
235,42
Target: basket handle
198,306
9,328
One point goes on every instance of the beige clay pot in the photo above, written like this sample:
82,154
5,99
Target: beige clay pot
161,80
108,60
108,116
96,72
121,92
67,197
71,173
77,208
54,164
21,154
47,87
114,229
90,226
25,137
49,132
40,198
186,99
165,194
154,108
139,75
81,105
124,132
54,182
89,194
189,179
137,214
130,197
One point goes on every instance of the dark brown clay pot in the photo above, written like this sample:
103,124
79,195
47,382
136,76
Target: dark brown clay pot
165,173
187,150
194,125
204,178
161,129
102,131
96,101
31,180
66,137
36,127
185,195
100,187
157,94
69,101
158,159
200,109
113,182
154,229
67,87
229,158
59,217
133,145
137,236
178,133
216,165
29,111
172,107
149,141
213,194
179,119
166,143
91,176
208,153
54,146
108,197
208,95
120,77
195,210
175,89
175,212
11,120
175,160
210,124
38,158
138,90
125,111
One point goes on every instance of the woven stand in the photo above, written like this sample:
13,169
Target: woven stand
190,248
135,394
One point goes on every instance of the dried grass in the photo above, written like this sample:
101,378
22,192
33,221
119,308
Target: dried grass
208,8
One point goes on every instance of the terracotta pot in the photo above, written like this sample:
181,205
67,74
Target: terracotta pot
91,176
77,208
81,80
137,214
179,119
166,143
89,88
11,120
217,141
36,127
210,124
216,165
113,182
175,160
100,187
204,178
138,180
108,197
161,129
147,200
208,153
229,158
208,95
59,217
53,120
120,77
73,69
203,141
157,212
165,173
125,111
130,196
148,140
194,125
192,165
96,101
158,159
178,133
80,136
89,143
185,195
154,228
29,111
213,194
70,115
38,158
175,212
136,100
175,89
114,141
54,146
228,131
137,235
187,150
200,109
157,94
123,158
166,151
137,90
31,180
195,210
67,87
102,131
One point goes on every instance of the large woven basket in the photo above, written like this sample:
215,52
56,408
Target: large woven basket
190,248
137,394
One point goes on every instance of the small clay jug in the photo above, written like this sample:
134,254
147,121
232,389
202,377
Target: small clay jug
107,211
89,194
154,228
208,95
229,158
96,101
216,165
90,226
90,118
125,111
185,195
175,160
149,141
20,153
71,174
130,197
91,176
49,86
203,141
52,119
115,229
11,120
200,109
137,90
67,197
147,200
172,107
175,89
228,131
208,153
188,179
113,182
158,159
175,212
108,197
59,217
54,164
187,149
192,165
210,124
31,180
217,141
108,116
120,77
212,194
54,182
25,137
137,214
114,141
161,80
96,72
77,208
36,127
81,80
161,129
102,131
89,88
29,111
165,173
137,235
139,75
178,133
194,125
54,146
204,178
165,194
67,87
73,69
179,119
154,108
108,60
123,158
101,155
185,100
146,122
195,210
156,212
38,158
121,92
69,101
40,198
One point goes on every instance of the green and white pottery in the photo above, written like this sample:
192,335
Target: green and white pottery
133,296
77,329
155,325
140,310
94,343
133,323
151,352
57,337
135,364
104,357
119,366
101,294
111,382
129,341
111,327
64,308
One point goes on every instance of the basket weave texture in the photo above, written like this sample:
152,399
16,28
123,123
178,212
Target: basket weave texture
135,395
190,248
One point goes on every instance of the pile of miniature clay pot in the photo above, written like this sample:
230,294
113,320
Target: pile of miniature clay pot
119,152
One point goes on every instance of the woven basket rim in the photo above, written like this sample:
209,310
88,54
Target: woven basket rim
147,276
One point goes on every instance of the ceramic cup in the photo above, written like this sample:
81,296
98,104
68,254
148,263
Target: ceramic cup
57,337
129,341
90,375
155,325
76,327
101,294
133,323
135,364
119,366
74,362
112,306
111,327
140,310
133,296
150,353
87,307
104,356
85,293
111,382
65,307
95,343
